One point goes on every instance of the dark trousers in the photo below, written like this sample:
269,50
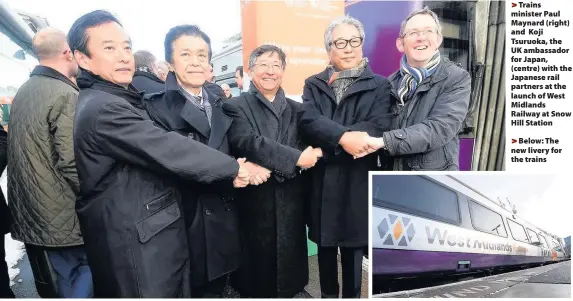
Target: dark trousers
73,273
351,259
211,290
5,291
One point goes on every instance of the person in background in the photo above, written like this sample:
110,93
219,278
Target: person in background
272,215
343,106
209,75
227,89
162,70
146,77
5,219
128,166
189,108
433,96
42,176
239,77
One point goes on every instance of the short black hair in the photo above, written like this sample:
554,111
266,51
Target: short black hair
78,36
266,49
240,69
183,30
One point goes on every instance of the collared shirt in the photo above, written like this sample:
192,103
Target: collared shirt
201,102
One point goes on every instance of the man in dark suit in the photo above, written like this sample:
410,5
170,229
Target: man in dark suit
189,107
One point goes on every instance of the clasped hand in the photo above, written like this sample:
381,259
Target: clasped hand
360,144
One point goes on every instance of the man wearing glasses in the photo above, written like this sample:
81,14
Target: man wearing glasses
343,105
433,96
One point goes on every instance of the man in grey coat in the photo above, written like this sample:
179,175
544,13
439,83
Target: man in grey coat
432,96
42,176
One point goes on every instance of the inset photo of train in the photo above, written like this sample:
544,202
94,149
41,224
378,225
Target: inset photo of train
459,235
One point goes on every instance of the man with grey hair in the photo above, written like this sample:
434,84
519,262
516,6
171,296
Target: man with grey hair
271,215
433,96
42,177
145,78
162,69
343,105
227,89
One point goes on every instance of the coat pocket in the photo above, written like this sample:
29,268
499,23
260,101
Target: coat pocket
434,160
149,227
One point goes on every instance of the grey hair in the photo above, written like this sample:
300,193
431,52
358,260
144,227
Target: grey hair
264,49
144,59
423,11
338,21
163,66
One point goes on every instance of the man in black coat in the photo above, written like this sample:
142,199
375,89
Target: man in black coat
343,105
432,100
5,291
271,215
128,167
189,107
145,78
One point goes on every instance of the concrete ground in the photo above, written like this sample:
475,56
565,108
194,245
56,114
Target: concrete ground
549,281
24,286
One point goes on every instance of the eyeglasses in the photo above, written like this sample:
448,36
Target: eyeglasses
265,66
342,43
417,33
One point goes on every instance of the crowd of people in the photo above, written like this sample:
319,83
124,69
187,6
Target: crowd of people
141,178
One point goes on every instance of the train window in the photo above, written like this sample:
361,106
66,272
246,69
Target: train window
517,231
556,245
544,241
416,195
486,220
533,236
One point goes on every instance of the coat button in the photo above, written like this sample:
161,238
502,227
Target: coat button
208,212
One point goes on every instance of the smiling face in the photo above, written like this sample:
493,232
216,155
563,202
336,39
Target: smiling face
421,40
347,57
110,54
268,72
191,61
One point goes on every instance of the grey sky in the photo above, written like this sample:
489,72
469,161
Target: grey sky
146,22
541,199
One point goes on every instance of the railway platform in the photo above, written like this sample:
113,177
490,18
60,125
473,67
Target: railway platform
548,281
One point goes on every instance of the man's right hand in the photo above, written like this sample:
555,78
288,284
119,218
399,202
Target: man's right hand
307,159
242,178
257,174
354,143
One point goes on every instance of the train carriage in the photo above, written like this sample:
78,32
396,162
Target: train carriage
436,224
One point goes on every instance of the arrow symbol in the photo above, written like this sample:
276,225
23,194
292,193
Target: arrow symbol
513,141
513,4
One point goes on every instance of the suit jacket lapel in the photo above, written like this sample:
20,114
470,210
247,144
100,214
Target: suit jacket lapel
220,124
195,118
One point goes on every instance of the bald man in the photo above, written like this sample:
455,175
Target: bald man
42,177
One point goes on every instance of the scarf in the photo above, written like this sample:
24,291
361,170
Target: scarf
413,76
340,81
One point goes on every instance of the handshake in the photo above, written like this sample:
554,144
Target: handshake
253,174
360,144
